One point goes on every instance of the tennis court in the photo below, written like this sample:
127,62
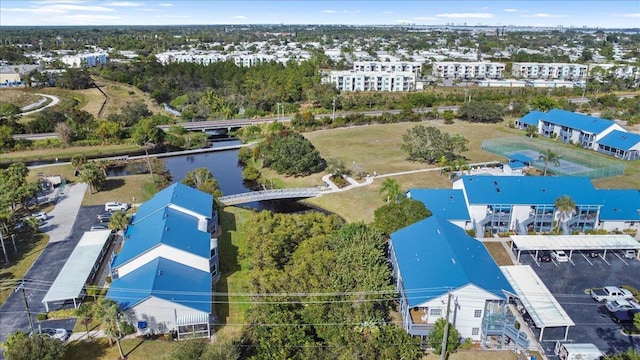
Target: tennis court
572,161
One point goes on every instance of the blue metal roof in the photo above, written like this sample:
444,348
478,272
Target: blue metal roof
516,164
164,279
531,119
166,226
445,203
577,121
620,205
524,190
180,195
434,255
620,140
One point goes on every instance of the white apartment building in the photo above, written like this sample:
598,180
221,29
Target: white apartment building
468,70
561,71
620,71
381,66
253,59
372,80
85,60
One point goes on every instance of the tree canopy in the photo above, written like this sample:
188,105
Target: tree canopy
481,111
203,180
397,215
20,346
292,154
429,144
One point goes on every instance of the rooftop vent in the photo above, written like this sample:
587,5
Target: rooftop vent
159,272
453,261
497,189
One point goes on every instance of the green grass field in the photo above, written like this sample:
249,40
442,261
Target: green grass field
20,97
29,249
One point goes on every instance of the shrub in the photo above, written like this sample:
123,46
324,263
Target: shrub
62,314
471,232
466,345
41,316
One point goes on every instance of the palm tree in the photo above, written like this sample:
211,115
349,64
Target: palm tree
109,314
93,176
565,206
391,189
549,157
119,221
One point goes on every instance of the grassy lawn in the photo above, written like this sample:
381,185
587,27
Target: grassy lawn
66,153
234,273
120,94
117,188
498,253
29,249
134,349
18,97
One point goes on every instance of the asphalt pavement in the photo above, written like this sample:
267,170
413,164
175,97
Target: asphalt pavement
67,224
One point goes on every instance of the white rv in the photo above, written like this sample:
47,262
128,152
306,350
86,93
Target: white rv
578,352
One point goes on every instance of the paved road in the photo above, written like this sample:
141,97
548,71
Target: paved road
45,269
54,101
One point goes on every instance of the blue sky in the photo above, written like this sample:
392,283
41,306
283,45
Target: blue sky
576,13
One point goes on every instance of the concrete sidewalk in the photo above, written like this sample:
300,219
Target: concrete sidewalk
63,216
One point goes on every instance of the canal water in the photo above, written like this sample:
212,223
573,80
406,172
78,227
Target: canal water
227,170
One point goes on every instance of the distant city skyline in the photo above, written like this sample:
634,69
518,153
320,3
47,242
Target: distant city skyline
603,14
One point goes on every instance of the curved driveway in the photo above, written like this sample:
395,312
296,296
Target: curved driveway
54,101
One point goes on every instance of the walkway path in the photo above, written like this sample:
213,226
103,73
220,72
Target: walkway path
54,101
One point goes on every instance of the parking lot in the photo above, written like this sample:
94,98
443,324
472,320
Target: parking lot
570,281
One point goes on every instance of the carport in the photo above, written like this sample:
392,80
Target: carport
80,268
573,242
542,306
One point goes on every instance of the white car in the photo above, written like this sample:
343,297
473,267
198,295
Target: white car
621,305
559,256
116,206
60,334
42,216
629,254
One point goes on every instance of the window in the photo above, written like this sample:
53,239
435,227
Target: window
475,331
477,313
435,312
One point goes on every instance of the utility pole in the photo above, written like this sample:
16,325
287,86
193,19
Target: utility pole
443,353
146,151
4,249
333,115
26,303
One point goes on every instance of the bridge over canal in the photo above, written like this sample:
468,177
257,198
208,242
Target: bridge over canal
276,194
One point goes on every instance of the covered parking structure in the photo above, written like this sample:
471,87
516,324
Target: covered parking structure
570,243
540,304
81,268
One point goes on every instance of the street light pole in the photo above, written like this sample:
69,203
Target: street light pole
146,151
26,303
333,114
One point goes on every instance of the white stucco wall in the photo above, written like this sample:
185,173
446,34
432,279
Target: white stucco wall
159,314
478,212
520,213
167,252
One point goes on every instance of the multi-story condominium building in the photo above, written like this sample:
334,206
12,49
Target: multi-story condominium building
253,59
371,80
590,132
618,70
562,71
381,66
85,60
468,70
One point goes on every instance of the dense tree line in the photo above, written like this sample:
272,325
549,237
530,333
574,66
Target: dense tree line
292,255
429,144
290,153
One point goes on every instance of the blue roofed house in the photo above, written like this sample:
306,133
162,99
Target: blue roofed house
527,203
433,259
590,132
171,235
621,144
448,204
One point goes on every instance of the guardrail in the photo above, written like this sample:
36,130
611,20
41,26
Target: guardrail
269,195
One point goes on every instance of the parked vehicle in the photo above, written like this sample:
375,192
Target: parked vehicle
544,257
116,206
578,352
611,293
559,256
40,216
629,254
19,226
104,217
99,227
624,316
593,254
60,334
621,305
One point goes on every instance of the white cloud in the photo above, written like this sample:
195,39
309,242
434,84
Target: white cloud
82,19
545,16
166,4
241,17
124,4
515,10
424,18
329,11
38,10
466,15
401,21
636,15
71,7
171,16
